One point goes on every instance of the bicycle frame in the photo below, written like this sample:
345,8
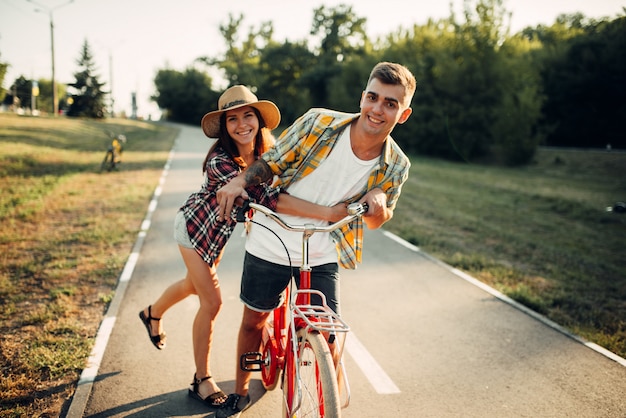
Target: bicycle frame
113,155
280,340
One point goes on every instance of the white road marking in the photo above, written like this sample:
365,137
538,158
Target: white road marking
508,300
89,374
381,382
400,241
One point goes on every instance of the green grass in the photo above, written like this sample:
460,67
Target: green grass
539,234
67,230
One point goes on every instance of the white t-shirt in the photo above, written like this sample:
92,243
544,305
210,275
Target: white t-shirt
340,176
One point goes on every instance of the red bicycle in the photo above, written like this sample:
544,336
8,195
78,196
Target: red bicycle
297,335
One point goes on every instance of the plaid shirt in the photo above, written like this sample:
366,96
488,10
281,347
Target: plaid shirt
208,235
301,148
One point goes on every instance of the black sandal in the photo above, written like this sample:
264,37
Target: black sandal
216,400
232,408
157,340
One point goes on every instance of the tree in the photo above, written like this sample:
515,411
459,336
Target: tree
344,90
474,78
44,101
515,131
342,35
185,96
482,93
21,93
88,97
427,51
282,67
3,72
585,82
240,62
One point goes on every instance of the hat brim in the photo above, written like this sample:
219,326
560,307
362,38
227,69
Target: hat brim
269,112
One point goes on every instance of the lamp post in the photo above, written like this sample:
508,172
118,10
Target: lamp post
110,51
55,99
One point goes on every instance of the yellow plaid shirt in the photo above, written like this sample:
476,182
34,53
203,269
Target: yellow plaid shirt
301,148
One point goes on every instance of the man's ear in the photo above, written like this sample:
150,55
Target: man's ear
405,115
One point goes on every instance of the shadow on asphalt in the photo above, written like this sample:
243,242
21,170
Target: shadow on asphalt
176,403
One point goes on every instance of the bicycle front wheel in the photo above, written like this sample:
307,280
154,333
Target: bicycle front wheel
317,395
108,163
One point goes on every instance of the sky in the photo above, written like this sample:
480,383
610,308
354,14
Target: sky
132,39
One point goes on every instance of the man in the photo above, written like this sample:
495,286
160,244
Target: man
328,158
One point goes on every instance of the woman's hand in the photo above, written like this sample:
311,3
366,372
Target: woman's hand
228,194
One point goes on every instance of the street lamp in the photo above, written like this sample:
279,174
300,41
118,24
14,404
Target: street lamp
55,99
110,49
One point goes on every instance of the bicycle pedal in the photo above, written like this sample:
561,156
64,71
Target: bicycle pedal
251,362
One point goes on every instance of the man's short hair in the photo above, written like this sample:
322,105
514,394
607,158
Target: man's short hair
395,74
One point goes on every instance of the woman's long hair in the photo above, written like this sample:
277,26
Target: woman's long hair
264,140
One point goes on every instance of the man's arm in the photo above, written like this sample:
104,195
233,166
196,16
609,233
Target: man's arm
258,172
291,205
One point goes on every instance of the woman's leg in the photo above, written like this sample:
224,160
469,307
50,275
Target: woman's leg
171,296
204,280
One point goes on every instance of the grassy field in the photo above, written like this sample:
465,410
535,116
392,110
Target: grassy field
539,234
66,233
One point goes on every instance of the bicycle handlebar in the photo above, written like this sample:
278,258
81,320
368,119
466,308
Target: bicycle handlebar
355,210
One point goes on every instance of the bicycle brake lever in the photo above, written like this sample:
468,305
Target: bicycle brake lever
357,208
241,212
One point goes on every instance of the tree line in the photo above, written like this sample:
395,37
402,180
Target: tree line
484,94
84,97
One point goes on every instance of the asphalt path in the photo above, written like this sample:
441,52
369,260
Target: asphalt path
425,341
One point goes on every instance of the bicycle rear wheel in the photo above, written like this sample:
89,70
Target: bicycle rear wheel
318,396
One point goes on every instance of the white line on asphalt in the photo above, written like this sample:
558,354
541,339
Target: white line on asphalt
91,371
508,300
400,241
89,374
369,366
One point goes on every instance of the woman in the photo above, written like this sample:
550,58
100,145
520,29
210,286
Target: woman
242,127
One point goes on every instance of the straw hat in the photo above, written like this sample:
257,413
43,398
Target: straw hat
233,98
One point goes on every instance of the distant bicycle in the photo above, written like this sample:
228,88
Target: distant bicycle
113,154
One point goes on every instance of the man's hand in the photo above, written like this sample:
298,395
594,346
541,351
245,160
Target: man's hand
227,194
378,213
